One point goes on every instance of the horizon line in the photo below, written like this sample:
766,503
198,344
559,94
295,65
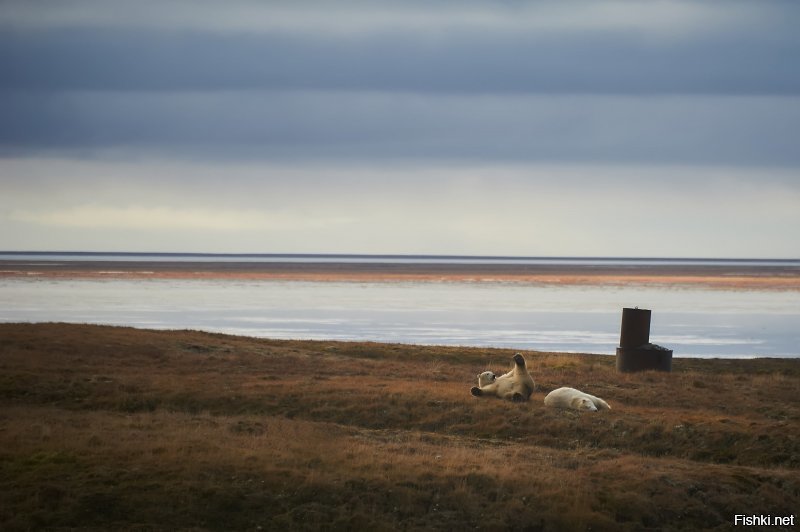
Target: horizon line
395,256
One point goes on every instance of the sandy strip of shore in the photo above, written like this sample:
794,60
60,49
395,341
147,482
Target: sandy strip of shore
733,277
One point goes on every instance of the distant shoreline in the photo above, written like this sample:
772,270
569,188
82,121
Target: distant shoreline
720,274
390,258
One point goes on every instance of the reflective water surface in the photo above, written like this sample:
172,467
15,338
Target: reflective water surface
691,321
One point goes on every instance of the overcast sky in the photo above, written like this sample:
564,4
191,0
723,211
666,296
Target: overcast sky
567,128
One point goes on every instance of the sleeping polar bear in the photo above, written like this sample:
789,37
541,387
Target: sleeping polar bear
575,399
516,385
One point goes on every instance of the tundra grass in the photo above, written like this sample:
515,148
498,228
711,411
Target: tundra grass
118,428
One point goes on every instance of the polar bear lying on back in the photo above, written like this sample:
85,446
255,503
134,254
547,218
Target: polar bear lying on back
517,385
575,399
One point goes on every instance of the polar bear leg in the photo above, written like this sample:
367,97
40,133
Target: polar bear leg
599,403
517,397
489,389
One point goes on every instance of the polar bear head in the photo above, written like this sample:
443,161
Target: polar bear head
583,403
487,377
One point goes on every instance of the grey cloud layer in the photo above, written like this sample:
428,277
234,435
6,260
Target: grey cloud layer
672,82
458,62
364,126
663,18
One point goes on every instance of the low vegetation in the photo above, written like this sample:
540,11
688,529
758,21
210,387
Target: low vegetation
114,428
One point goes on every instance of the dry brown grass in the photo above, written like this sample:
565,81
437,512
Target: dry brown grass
117,428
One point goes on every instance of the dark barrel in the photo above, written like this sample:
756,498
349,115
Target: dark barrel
635,329
635,352
643,359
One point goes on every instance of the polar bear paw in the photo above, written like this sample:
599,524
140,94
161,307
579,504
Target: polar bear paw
518,398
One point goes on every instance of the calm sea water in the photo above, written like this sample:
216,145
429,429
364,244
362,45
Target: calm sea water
694,322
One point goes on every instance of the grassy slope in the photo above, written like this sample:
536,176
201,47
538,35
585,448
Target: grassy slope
104,427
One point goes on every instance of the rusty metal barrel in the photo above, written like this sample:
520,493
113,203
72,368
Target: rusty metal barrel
635,330
635,352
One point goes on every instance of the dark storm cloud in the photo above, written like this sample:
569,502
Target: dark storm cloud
364,126
452,62
670,82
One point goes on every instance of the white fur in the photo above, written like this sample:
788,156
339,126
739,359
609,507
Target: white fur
577,400
516,385
487,377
